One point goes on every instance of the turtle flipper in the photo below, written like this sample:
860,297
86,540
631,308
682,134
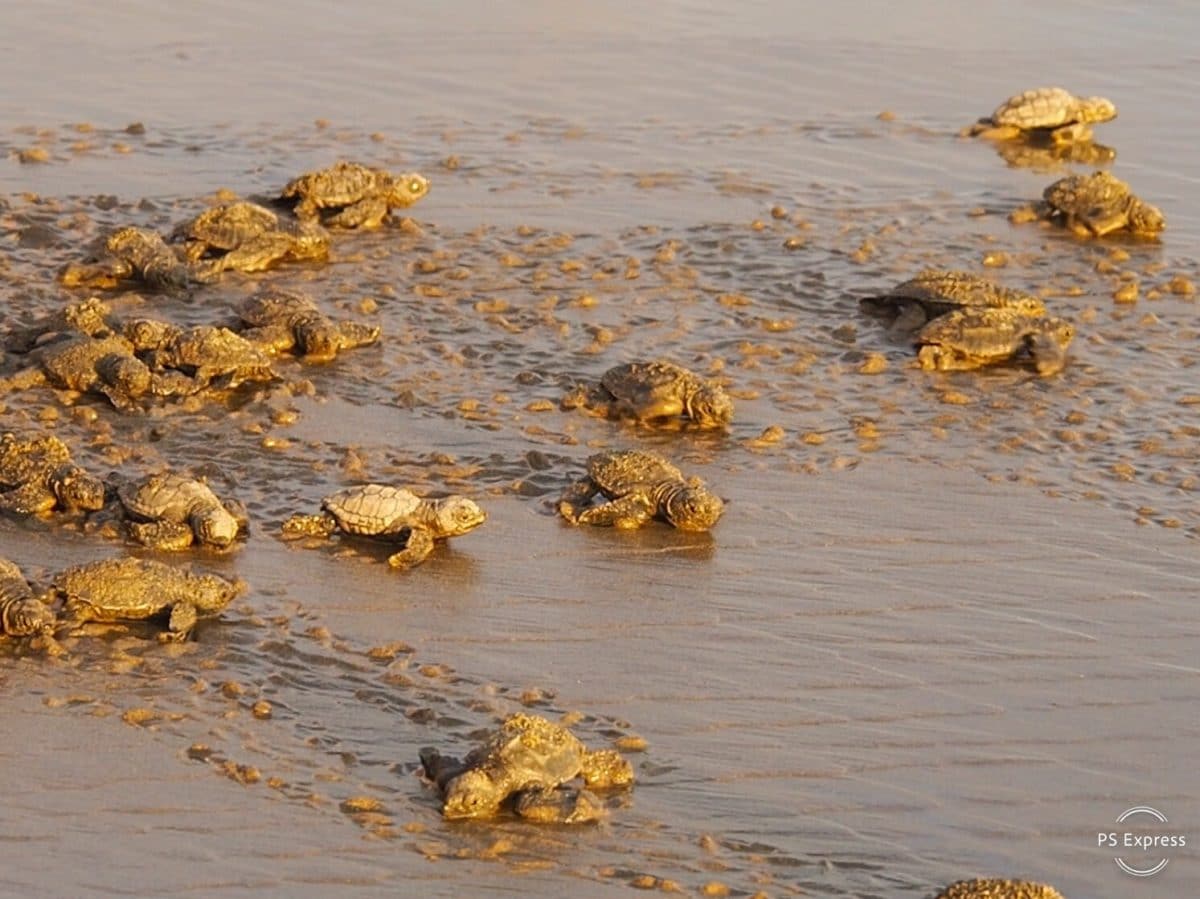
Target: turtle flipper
604,768
319,525
559,806
628,512
183,619
167,536
368,212
571,503
416,549
441,769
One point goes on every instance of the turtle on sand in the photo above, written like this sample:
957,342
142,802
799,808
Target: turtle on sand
38,475
1099,204
528,757
996,888
129,254
137,589
655,391
639,486
171,512
246,237
394,514
972,338
210,356
21,613
287,320
935,292
1052,113
350,195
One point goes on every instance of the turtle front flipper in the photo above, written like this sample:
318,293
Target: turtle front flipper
274,338
604,768
166,536
319,525
647,405
559,806
106,275
438,768
573,500
356,334
368,212
179,627
417,548
627,513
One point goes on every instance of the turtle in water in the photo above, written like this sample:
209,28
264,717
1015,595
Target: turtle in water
351,195
996,888
528,757
37,475
1050,113
394,514
105,365
208,355
639,486
650,391
246,237
935,292
137,589
1051,157
972,338
21,613
286,320
171,512
1099,204
129,253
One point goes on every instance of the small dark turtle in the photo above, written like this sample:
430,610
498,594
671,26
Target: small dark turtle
972,338
995,888
649,391
352,195
530,758
126,254
393,514
287,320
208,355
135,589
935,292
37,475
21,613
1051,111
222,228
640,485
171,512
1099,204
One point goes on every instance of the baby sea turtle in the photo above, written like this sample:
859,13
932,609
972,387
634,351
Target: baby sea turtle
971,338
287,320
1052,112
21,613
353,195
649,391
1098,204
88,317
935,292
219,229
129,253
639,486
246,237
171,512
135,589
37,475
529,757
208,355
394,514
995,888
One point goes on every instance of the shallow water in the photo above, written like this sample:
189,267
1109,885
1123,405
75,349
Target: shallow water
945,627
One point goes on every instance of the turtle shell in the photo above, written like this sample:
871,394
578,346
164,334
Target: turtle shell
938,292
276,306
339,185
1041,107
629,381
619,471
229,225
166,496
531,751
373,509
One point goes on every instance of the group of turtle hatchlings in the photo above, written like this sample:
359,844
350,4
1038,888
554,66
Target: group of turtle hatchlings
960,321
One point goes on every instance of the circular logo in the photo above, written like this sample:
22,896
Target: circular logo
1143,841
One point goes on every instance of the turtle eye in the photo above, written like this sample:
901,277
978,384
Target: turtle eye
415,186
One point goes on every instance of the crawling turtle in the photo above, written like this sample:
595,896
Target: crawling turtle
89,317
935,292
995,888
528,757
1099,204
394,514
126,254
972,338
136,589
105,365
21,613
208,355
649,391
352,195
246,237
639,486
37,475
170,512
222,228
287,320
1050,112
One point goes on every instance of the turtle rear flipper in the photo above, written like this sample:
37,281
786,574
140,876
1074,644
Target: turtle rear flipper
559,806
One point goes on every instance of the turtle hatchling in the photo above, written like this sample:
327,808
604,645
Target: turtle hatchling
38,475
137,589
394,514
972,338
21,613
207,355
995,888
129,253
529,758
655,391
350,195
171,512
1099,204
639,486
286,320
935,292
246,237
1051,113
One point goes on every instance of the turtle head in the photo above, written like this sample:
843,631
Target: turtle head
457,515
311,241
692,507
213,593
1097,109
76,489
148,334
25,617
710,405
216,526
1029,307
406,189
1146,219
473,794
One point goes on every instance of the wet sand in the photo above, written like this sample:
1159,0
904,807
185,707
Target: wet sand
947,625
